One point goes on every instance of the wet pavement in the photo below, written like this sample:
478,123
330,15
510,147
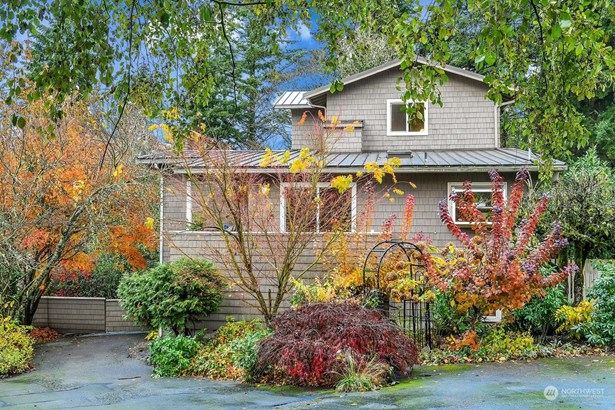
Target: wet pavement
85,372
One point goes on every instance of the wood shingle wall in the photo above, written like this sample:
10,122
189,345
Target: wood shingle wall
178,242
466,120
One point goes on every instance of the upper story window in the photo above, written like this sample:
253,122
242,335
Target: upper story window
331,212
482,195
399,123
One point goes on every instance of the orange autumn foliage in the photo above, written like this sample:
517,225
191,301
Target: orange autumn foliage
60,203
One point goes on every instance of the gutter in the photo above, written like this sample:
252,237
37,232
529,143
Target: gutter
318,106
400,170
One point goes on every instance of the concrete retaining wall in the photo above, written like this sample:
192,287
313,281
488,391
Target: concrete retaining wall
82,315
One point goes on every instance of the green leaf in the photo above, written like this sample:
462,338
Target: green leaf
479,59
556,32
565,24
490,59
337,85
205,14
164,19
18,121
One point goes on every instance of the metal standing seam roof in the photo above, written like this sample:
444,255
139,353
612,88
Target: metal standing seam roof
509,159
291,99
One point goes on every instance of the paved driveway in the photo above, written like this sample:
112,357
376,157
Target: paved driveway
96,371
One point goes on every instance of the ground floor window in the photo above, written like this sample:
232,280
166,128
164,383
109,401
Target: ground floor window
325,210
482,194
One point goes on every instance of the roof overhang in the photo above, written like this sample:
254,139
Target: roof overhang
400,170
426,161
291,99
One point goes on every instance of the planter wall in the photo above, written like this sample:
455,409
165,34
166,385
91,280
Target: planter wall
82,315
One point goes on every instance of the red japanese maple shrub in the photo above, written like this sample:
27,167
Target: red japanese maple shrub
308,345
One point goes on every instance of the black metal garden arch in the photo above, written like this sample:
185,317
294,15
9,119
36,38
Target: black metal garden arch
411,313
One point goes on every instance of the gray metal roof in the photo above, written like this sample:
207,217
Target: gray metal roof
291,99
387,66
502,159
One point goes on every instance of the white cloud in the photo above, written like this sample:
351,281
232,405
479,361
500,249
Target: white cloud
304,32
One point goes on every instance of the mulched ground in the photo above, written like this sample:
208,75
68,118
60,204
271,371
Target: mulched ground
44,334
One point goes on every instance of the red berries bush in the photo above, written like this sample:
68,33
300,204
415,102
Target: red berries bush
308,345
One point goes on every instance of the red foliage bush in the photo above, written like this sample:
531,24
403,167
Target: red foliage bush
307,345
498,268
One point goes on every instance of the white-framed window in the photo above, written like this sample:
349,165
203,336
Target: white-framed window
332,207
399,123
482,194
196,219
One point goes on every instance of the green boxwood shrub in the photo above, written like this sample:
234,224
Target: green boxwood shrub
172,295
16,349
538,316
601,328
172,355
231,353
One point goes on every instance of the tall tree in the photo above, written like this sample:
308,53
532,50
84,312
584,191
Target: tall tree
363,50
60,203
573,58
246,74
50,52
584,203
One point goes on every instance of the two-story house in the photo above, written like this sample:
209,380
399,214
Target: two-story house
439,149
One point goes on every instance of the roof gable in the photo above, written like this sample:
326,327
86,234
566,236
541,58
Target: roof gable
387,66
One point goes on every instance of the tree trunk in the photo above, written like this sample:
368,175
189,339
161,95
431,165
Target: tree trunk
29,311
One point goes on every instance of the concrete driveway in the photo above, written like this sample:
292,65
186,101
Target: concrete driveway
85,372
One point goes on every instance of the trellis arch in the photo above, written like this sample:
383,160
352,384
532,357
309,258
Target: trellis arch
412,314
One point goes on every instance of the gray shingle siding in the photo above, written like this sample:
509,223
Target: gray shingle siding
303,135
430,190
174,208
466,120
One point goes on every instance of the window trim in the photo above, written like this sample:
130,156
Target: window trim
353,204
190,214
390,133
476,187
188,203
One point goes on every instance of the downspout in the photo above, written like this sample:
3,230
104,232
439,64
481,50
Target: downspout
161,240
324,113
318,106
